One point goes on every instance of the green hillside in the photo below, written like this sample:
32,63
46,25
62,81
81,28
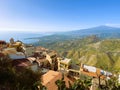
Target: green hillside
91,50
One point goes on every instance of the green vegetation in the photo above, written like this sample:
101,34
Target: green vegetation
12,79
85,84
26,79
104,54
77,85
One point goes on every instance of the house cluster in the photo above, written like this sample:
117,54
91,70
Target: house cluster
35,58
48,61
23,55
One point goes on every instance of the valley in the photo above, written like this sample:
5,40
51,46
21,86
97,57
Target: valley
101,49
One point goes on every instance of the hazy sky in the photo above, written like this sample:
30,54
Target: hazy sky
57,15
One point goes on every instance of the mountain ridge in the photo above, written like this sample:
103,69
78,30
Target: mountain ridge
102,32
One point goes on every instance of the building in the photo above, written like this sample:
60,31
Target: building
18,45
51,77
25,63
21,63
40,54
13,54
63,63
94,72
43,63
52,58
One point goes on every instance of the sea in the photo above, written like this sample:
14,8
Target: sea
25,37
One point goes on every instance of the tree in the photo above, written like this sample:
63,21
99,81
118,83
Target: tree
78,84
12,79
61,84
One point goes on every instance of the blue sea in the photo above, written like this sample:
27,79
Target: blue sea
22,36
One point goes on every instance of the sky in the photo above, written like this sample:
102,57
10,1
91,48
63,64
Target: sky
57,15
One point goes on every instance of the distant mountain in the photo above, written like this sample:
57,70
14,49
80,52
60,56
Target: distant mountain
100,31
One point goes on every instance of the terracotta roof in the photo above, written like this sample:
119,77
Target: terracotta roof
50,77
21,63
2,42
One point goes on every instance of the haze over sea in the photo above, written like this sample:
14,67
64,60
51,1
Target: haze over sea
22,36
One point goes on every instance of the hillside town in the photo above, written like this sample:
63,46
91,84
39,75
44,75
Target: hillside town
50,64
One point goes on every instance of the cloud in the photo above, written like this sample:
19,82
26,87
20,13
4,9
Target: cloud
113,24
